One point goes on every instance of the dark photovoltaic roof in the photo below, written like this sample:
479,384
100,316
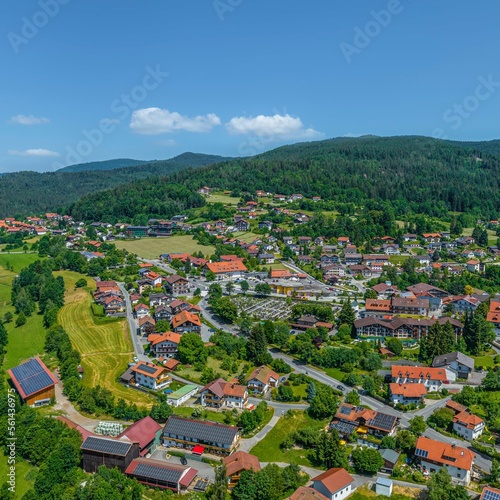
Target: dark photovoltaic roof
146,368
31,377
383,421
344,410
108,446
208,432
345,428
159,473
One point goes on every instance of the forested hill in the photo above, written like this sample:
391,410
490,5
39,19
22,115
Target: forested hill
27,193
416,174
103,165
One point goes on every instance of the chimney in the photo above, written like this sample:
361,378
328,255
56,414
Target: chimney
453,445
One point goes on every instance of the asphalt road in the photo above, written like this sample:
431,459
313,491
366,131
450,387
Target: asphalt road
132,323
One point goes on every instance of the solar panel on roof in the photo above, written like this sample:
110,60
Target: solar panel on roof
147,368
491,495
106,446
383,421
32,377
345,428
204,432
421,453
158,473
344,410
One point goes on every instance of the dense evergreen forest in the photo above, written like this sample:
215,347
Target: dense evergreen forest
28,193
412,174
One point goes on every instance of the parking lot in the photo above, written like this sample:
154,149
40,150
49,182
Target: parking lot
204,470
264,309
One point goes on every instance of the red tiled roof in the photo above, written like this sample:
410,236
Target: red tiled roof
408,390
456,407
158,369
184,317
306,493
280,273
240,461
226,267
418,372
335,479
446,454
467,419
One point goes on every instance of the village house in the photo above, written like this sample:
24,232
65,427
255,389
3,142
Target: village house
468,425
431,378
434,455
462,303
266,258
186,322
461,364
219,394
200,436
163,313
493,315
164,344
335,484
177,285
473,266
146,325
262,379
158,299
141,311
407,393
431,237
177,306
238,462
151,376
242,225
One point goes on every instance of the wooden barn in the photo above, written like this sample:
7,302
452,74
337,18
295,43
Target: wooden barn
97,451
34,382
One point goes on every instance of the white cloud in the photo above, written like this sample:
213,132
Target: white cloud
153,121
33,152
277,126
28,120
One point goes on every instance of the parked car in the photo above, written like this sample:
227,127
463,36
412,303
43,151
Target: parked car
184,461
341,387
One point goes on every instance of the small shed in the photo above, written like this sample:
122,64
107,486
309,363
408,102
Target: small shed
383,486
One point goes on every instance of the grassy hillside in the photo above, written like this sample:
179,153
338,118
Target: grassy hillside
416,174
52,191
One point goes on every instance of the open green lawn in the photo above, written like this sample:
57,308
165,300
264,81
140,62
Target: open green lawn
106,348
29,339
268,450
25,475
213,416
300,390
222,198
190,373
486,361
397,259
247,237
151,248
18,260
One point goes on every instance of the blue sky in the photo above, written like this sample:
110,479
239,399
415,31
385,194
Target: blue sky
88,80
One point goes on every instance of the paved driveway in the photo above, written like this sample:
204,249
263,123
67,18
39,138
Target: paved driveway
204,470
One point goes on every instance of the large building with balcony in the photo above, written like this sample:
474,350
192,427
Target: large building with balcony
212,437
219,394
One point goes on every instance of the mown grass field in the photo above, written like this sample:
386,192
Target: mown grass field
151,248
190,373
25,475
268,450
105,348
222,198
246,236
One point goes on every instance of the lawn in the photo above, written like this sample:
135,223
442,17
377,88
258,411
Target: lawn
485,361
268,450
25,475
222,198
190,373
492,237
29,339
105,348
151,248
397,259
213,416
300,390
18,260
247,236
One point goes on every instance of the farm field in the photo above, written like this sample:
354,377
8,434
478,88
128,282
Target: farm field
268,450
151,248
105,348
